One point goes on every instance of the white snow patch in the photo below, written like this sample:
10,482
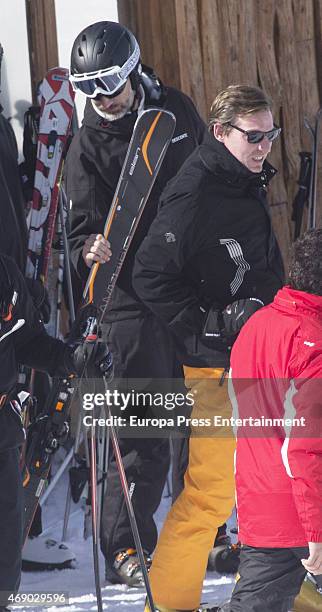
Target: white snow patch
79,582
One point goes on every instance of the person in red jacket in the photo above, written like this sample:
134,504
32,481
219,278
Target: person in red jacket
276,393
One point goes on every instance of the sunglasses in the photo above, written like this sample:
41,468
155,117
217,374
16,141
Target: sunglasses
256,136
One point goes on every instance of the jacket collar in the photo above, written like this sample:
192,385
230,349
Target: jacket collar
218,159
291,300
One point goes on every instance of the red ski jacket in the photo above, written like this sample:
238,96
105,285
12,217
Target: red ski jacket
276,393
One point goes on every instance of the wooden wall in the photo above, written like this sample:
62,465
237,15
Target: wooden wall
201,46
42,39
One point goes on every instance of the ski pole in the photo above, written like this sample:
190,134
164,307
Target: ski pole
93,480
102,462
63,212
60,275
129,505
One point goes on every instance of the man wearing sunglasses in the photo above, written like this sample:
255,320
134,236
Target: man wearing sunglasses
211,245
106,68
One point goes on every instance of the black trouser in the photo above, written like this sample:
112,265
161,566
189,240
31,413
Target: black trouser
142,349
11,518
270,579
146,465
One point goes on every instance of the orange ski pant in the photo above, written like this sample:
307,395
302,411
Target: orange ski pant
180,559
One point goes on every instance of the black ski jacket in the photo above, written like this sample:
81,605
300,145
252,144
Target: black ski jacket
211,243
23,339
93,166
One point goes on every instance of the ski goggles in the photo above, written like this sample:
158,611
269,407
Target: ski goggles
110,82
256,136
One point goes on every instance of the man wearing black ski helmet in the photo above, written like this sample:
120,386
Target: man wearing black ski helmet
106,68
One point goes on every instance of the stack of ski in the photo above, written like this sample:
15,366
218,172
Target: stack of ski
56,101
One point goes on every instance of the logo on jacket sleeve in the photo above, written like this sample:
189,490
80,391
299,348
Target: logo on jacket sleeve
170,237
7,307
180,137
236,253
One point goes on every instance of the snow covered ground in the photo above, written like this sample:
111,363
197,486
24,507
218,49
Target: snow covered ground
79,582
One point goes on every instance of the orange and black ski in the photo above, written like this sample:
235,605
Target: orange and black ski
151,137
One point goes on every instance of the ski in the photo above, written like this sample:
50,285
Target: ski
151,137
302,196
56,101
56,106
51,122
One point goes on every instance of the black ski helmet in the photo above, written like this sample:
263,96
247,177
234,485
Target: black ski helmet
103,56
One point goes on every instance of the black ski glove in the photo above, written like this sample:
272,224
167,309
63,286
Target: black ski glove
40,298
236,314
93,360
226,324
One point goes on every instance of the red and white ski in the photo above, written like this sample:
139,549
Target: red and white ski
56,101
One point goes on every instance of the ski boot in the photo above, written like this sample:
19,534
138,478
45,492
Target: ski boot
40,554
224,556
221,608
126,569
310,596
225,607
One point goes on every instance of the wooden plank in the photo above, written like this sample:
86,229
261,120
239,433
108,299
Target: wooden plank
265,51
247,42
307,41
190,57
212,44
290,82
127,14
124,13
306,59
154,25
238,46
228,44
42,36
50,32
170,71
145,31
269,80
317,4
